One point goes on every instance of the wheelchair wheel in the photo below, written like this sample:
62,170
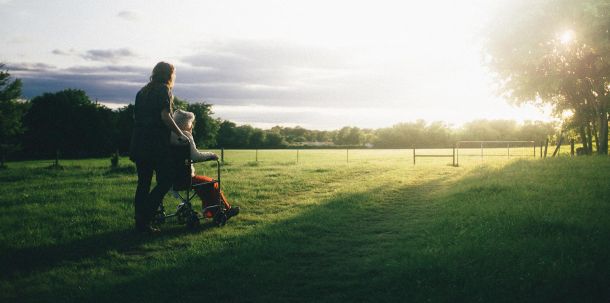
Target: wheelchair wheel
180,218
159,217
220,218
192,221
183,213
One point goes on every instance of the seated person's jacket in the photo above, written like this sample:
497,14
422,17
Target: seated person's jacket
196,155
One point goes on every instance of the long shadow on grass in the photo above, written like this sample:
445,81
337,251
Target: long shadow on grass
477,242
32,259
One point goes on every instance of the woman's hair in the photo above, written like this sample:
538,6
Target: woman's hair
161,75
183,118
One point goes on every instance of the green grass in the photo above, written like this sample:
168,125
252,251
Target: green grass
376,229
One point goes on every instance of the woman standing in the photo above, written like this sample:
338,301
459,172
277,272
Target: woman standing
149,148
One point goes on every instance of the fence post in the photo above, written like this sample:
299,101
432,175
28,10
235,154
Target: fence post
114,160
457,154
508,150
556,152
256,157
541,146
572,147
222,155
413,154
347,154
546,146
534,149
481,151
56,165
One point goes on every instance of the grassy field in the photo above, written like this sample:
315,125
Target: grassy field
376,229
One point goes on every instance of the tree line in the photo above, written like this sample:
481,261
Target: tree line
71,123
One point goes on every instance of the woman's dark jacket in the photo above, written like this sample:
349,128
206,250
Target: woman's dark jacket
150,138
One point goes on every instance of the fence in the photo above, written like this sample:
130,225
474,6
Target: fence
436,155
463,150
494,149
310,155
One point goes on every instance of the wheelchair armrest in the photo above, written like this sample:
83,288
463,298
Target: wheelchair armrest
217,169
204,183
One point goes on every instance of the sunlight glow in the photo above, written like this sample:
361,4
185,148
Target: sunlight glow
567,114
567,37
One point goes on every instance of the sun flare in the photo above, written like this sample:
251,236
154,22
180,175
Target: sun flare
567,37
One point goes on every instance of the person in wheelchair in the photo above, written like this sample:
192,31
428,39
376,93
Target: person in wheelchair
210,192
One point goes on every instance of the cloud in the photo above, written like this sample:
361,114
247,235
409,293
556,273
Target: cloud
120,83
266,72
99,55
240,73
116,84
28,67
60,52
261,54
128,15
272,73
107,55
310,117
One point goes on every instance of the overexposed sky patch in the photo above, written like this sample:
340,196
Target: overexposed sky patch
319,64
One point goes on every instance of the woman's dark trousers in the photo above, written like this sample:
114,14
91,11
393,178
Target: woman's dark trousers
146,201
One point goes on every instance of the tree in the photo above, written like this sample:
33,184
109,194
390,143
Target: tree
489,130
292,134
556,52
226,135
274,139
69,122
348,136
438,134
536,131
123,125
403,135
257,138
206,127
180,104
11,113
242,136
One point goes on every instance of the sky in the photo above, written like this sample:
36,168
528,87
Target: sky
317,64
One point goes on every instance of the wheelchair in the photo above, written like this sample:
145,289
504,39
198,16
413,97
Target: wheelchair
184,190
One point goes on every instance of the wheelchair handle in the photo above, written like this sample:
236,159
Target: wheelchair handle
218,172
